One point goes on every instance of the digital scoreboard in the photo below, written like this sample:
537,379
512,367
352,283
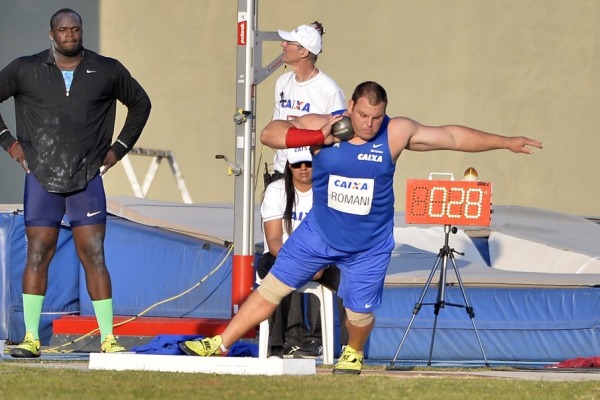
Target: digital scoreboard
448,202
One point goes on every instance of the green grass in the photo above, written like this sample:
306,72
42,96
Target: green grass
42,380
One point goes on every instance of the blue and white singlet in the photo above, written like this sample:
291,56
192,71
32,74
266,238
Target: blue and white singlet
353,192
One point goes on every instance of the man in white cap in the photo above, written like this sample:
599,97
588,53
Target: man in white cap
305,89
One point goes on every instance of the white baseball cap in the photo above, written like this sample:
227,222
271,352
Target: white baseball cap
307,36
299,154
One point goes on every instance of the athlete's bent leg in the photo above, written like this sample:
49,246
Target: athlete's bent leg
258,306
254,310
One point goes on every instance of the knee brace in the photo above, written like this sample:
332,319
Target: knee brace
273,290
359,319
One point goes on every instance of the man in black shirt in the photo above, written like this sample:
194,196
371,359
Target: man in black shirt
65,105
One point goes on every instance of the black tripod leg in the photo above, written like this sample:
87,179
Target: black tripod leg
435,319
468,308
440,297
417,308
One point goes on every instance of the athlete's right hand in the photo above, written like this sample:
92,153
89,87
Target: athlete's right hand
328,137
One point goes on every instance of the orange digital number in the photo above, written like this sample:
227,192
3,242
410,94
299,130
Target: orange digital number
448,202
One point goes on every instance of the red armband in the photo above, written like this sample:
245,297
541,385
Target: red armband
297,137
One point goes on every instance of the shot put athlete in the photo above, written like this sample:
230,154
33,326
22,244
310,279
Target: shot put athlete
65,106
351,222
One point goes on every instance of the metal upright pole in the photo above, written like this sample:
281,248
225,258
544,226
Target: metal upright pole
250,73
245,142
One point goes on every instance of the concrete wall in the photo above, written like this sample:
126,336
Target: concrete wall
514,67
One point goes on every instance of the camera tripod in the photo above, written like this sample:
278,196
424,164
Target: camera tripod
445,253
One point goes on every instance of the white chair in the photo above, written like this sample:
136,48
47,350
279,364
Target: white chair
325,296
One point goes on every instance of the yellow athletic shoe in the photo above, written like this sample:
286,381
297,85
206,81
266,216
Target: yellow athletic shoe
204,348
350,362
110,345
29,348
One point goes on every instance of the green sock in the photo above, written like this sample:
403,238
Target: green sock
32,311
104,315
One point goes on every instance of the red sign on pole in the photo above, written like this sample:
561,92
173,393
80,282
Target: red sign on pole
444,202
242,29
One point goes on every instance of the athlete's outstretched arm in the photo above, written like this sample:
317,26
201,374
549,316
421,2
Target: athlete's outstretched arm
462,138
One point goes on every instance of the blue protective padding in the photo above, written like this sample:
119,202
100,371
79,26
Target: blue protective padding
62,295
149,265
481,244
6,227
540,324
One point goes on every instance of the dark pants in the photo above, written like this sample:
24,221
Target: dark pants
287,322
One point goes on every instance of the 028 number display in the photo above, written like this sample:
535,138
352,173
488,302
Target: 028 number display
446,202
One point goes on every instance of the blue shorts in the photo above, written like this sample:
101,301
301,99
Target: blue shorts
362,272
85,207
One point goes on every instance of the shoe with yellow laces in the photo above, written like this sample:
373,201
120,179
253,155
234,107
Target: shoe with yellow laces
29,348
350,362
110,345
204,348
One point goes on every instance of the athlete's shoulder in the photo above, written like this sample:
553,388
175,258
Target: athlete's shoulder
401,132
402,124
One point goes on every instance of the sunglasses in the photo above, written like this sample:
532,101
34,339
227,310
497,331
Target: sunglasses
299,164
